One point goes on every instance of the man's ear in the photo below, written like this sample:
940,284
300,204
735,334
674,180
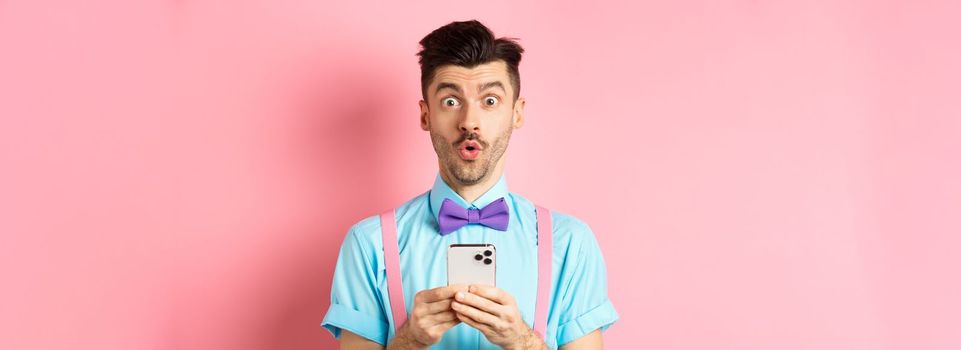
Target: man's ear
519,112
424,116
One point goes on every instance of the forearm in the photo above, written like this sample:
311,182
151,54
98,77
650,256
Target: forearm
404,341
530,341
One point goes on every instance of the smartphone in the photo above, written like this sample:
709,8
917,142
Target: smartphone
471,264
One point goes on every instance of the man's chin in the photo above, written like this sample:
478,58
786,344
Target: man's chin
468,178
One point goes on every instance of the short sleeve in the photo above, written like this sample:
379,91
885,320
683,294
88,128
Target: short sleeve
584,305
355,301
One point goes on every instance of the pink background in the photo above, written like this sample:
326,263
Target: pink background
760,175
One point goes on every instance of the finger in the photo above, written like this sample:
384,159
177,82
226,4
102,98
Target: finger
477,325
439,293
443,317
443,327
475,314
435,307
492,293
480,302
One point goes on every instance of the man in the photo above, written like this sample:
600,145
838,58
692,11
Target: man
471,103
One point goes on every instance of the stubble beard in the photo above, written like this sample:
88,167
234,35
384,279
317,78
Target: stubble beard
470,172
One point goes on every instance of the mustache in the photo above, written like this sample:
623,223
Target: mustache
473,136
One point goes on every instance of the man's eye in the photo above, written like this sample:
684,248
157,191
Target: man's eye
490,100
450,102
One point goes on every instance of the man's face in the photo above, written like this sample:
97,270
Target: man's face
470,113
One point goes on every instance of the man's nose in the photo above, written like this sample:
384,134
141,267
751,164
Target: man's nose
470,121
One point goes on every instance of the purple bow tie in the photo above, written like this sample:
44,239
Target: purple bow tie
453,216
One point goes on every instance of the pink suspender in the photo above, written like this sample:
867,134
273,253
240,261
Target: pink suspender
395,289
545,245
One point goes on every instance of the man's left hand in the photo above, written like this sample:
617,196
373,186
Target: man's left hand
494,312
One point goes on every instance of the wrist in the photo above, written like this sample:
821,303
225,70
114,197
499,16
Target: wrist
528,340
404,340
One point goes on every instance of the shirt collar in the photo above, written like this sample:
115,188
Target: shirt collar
442,191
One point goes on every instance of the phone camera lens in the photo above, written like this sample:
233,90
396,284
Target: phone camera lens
478,257
488,261
488,253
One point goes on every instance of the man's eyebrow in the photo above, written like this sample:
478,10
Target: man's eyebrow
492,84
481,88
451,86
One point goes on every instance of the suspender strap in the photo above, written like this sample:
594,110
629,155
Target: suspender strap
545,245
395,288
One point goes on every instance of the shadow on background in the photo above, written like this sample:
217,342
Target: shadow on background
348,153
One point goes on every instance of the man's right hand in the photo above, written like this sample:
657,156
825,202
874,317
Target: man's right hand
431,317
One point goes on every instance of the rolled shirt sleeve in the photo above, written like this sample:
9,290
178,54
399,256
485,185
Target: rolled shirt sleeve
584,303
355,300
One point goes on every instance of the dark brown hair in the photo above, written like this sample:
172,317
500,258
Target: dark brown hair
467,44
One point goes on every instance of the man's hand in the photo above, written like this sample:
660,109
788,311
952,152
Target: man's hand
430,319
494,312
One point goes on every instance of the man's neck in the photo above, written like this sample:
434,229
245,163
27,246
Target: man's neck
470,193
